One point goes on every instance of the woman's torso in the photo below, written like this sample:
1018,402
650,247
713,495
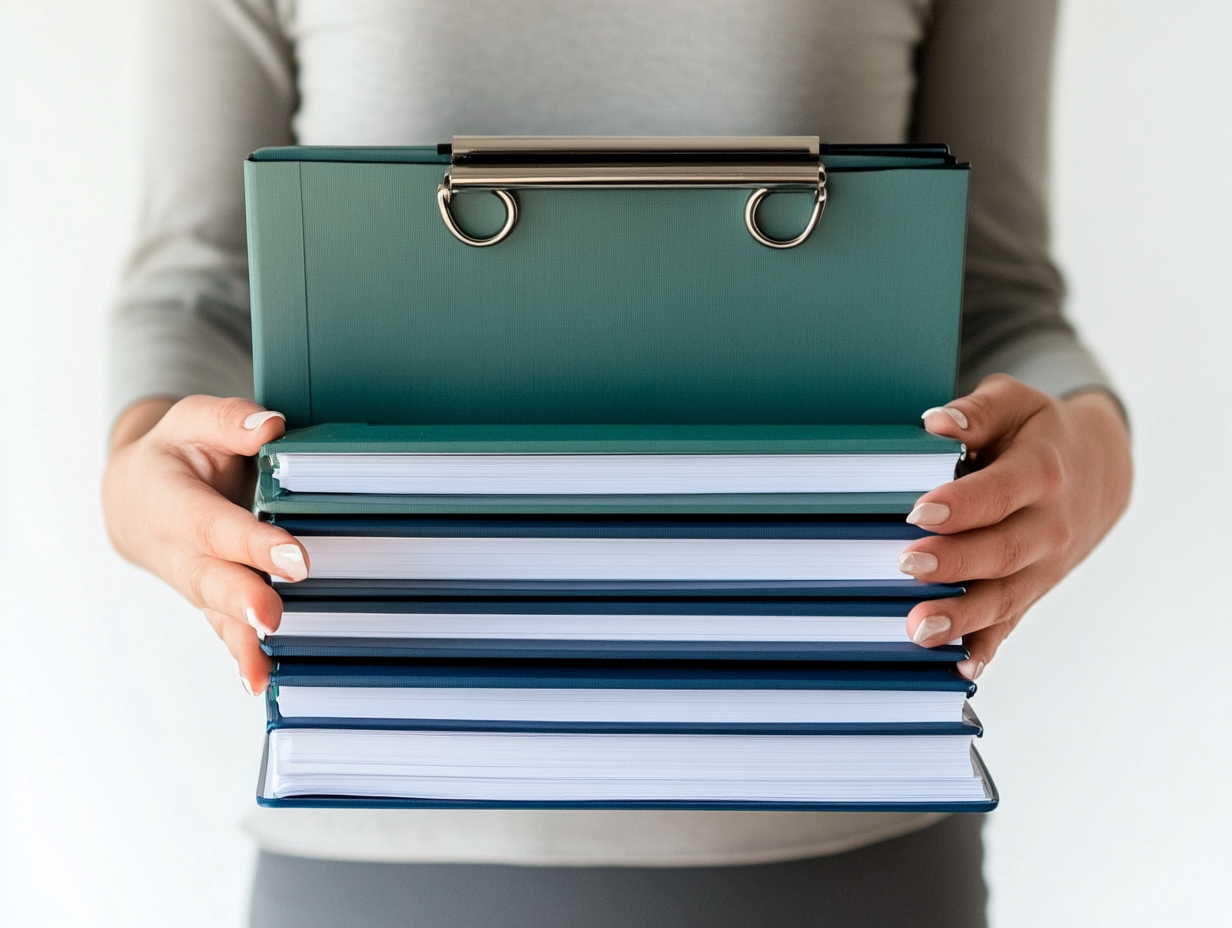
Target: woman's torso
390,72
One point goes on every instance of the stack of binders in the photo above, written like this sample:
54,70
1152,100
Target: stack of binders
600,449
557,617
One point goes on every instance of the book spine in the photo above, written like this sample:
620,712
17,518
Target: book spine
279,646
942,729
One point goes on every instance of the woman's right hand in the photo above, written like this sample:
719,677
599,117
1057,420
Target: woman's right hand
176,493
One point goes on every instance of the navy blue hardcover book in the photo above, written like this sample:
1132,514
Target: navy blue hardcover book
508,734
592,526
587,629
622,697
359,589
975,793
599,549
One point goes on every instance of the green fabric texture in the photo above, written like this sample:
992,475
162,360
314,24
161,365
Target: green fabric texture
271,499
354,438
605,306
276,280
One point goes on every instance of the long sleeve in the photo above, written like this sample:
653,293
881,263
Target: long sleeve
218,83
985,73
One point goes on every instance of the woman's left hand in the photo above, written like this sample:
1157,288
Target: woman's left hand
1047,478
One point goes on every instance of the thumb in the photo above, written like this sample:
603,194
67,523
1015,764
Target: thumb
233,426
990,415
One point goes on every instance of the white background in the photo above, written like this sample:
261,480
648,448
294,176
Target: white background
129,751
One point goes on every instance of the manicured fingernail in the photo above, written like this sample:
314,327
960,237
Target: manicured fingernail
956,414
258,419
916,562
248,686
251,615
929,514
289,560
931,627
971,669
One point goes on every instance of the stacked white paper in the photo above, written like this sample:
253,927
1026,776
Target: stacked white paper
521,767
381,558
612,474
735,706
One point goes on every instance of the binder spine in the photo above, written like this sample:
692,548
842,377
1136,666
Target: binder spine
281,361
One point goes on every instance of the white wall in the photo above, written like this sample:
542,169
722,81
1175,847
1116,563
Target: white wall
128,750
1109,711
127,747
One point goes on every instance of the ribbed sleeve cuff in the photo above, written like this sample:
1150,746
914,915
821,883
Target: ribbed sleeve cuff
1054,362
175,336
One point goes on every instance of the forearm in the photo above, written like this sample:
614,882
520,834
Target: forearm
178,333
217,83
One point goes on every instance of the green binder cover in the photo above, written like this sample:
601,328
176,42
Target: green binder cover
604,306
350,438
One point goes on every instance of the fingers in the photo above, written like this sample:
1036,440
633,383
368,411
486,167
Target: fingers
223,430
982,618
230,589
1013,544
228,426
168,495
990,414
982,646
217,528
1024,474
1013,524
241,641
1012,476
242,610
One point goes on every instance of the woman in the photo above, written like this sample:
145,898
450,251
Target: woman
1047,438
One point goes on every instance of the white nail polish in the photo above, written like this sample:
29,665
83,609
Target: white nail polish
956,414
971,669
916,562
258,419
929,514
251,615
931,627
247,686
289,560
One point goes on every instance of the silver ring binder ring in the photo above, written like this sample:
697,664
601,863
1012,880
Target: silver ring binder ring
766,165
750,218
444,194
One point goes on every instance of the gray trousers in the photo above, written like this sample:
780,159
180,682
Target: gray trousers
930,878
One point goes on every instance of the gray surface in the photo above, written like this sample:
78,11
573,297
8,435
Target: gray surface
929,878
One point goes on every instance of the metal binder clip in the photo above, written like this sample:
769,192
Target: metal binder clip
499,164
755,198
444,194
